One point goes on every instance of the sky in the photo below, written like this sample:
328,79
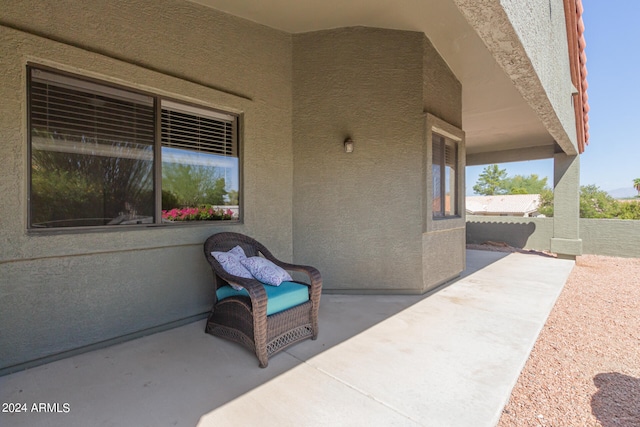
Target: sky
612,159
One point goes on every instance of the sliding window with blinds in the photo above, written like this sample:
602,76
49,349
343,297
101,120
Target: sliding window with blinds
444,166
199,161
94,157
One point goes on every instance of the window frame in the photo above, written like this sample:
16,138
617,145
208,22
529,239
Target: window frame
437,126
158,101
441,212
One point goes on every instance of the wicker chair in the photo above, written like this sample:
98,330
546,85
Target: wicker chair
244,319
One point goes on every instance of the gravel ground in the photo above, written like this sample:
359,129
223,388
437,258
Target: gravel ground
584,369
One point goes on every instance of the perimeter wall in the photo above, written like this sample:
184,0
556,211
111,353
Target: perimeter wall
610,237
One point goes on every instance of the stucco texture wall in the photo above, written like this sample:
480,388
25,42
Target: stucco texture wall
444,256
358,216
529,41
527,233
62,291
609,237
541,26
441,91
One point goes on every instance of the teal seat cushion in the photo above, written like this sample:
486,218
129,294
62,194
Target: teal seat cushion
279,298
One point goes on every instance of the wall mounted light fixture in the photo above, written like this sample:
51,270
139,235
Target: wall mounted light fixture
348,145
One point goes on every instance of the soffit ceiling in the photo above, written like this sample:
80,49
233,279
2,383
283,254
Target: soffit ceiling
494,114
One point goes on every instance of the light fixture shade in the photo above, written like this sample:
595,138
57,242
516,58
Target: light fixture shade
348,145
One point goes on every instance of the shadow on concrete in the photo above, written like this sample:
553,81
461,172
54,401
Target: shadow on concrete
617,401
343,316
477,259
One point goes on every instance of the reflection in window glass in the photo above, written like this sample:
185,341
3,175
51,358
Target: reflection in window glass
91,155
438,144
199,164
451,160
93,158
198,186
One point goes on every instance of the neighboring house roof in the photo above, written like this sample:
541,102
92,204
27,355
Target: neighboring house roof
578,64
503,204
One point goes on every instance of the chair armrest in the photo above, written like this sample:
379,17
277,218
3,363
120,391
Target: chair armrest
312,272
314,275
256,291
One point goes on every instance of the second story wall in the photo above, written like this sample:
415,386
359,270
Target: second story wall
528,40
541,27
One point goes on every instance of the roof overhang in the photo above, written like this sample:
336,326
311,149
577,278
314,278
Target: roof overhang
495,114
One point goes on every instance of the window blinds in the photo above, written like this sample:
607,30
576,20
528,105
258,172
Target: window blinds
450,157
196,129
72,115
444,152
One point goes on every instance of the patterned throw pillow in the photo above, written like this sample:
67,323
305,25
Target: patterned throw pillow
238,251
266,271
231,263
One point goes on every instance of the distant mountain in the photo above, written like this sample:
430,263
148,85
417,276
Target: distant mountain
623,193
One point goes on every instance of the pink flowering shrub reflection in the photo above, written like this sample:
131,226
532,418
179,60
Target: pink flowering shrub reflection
202,213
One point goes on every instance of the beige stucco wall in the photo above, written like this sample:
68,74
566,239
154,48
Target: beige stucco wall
359,217
62,291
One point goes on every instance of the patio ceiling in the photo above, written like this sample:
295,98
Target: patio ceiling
495,116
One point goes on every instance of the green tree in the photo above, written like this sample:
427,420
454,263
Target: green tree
596,203
234,198
546,202
192,185
629,210
491,181
494,180
520,184
71,188
636,185
62,195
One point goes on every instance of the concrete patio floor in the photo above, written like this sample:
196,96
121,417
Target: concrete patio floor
446,359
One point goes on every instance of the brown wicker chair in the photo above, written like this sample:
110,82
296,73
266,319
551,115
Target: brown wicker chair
244,319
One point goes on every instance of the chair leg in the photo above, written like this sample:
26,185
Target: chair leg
262,363
260,339
314,321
